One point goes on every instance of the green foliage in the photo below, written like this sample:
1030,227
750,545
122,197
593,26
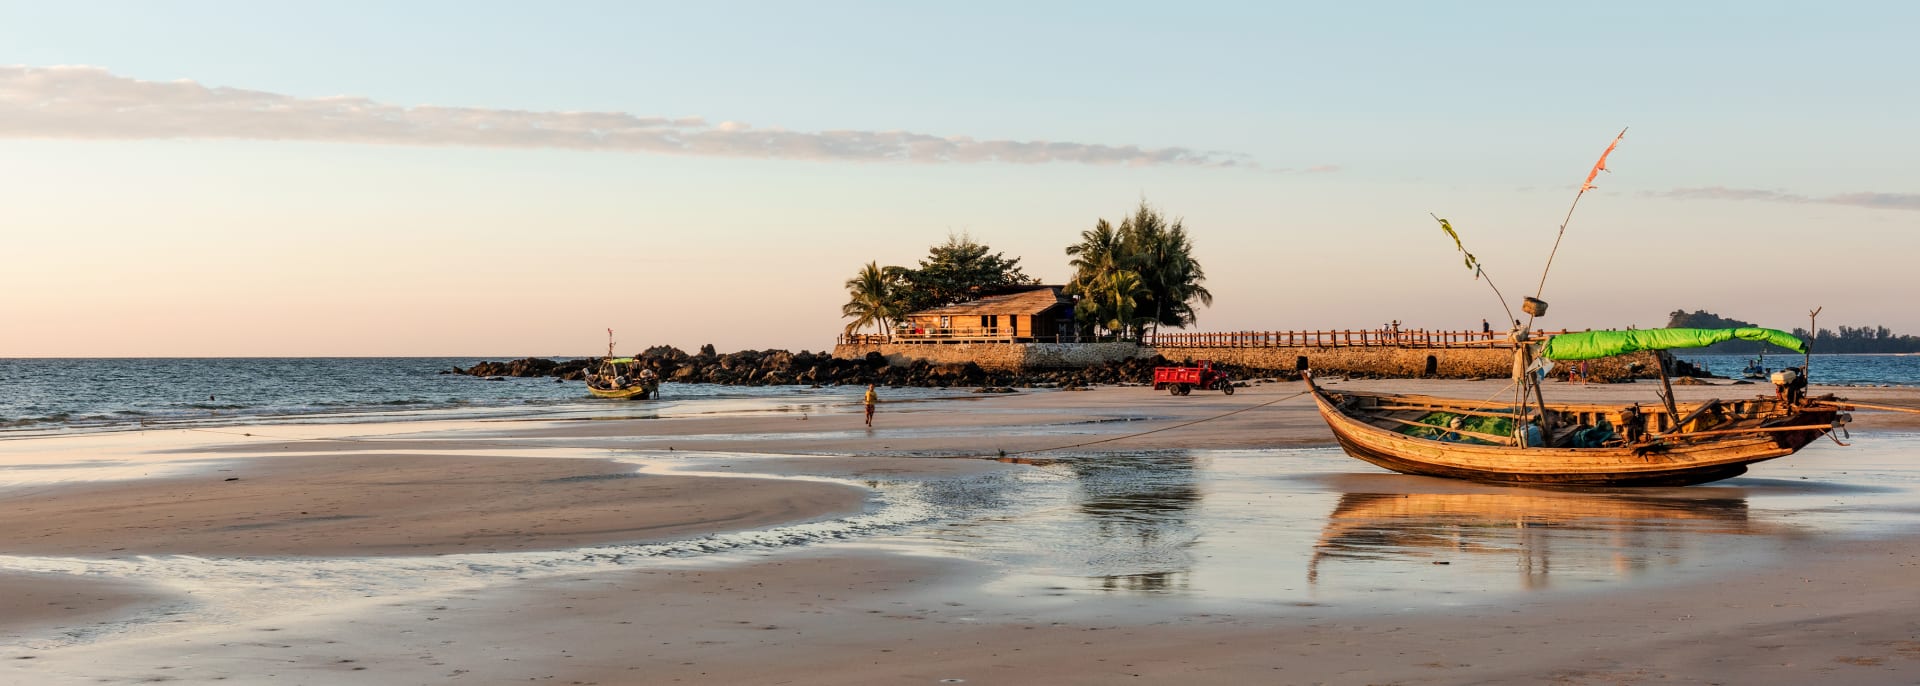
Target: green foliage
955,271
1848,339
871,300
1863,339
1702,319
1159,255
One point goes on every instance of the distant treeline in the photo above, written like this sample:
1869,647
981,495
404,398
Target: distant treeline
1849,339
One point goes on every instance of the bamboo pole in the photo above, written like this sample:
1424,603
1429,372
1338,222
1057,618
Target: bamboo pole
1890,408
1660,357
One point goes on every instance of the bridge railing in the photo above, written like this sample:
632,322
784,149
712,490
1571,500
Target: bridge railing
1337,338
1322,338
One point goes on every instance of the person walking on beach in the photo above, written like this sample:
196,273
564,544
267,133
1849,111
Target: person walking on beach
871,400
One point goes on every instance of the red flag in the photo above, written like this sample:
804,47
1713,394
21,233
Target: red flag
1602,164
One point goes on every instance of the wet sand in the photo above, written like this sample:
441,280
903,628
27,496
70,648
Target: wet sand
36,604
384,504
1818,608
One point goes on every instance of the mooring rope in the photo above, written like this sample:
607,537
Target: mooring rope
510,445
1004,453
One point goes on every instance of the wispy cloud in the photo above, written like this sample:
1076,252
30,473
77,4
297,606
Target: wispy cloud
79,102
1879,201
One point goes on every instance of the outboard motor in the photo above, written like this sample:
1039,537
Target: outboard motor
1790,386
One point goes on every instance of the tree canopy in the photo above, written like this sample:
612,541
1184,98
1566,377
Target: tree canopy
871,300
1849,339
1157,253
958,270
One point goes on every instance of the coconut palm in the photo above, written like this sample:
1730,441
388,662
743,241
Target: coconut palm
1094,259
870,300
1160,254
1119,295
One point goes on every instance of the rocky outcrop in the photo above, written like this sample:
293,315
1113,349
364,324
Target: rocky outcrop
781,367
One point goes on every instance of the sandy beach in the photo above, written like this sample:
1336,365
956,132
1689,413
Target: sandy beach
788,544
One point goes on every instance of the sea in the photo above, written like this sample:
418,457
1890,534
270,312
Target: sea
1832,370
46,395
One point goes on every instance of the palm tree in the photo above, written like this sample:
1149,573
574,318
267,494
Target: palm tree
1158,253
1162,253
1122,291
871,300
1095,258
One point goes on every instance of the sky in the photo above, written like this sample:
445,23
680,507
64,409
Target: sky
509,179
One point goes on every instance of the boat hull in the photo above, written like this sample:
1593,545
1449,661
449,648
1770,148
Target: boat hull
635,393
1680,463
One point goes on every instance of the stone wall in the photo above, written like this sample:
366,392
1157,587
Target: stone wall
998,356
1452,363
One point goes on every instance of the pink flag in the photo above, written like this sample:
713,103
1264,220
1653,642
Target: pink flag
1602,164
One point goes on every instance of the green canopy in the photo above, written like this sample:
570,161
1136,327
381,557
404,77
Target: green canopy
1592,344
619,360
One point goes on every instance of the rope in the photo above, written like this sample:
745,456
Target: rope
1155,431
1002,453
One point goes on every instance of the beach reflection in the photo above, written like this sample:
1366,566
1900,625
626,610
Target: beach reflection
1141,507
1533,532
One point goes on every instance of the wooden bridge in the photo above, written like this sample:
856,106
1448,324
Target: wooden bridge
1337,338
1329,338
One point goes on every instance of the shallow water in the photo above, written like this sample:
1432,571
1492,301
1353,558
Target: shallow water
1312,525
40,396
1246,528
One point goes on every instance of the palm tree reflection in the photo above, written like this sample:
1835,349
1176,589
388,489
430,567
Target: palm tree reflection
1140,508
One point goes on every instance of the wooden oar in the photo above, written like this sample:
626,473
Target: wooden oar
1728,432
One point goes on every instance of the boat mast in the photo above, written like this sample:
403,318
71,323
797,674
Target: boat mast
1806,358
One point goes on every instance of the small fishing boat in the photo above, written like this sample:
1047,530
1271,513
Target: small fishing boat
622,378
1526,440
1756,369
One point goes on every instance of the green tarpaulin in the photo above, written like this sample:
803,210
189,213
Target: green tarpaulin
1593,344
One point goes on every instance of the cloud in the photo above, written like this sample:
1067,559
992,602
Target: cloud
89,103
1880,201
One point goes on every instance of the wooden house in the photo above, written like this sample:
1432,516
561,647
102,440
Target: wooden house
1031,314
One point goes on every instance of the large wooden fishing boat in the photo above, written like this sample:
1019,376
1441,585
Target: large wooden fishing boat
1525,439
1582,444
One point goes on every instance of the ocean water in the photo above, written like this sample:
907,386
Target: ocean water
65,395
1842,370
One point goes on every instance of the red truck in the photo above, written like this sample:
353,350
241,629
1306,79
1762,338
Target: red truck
1182,380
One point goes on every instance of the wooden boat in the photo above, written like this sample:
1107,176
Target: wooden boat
622,378
1624,445
1525,439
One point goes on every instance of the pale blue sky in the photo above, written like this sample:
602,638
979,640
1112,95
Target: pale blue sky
1486,113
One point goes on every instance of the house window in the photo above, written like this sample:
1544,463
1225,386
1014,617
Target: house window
946,322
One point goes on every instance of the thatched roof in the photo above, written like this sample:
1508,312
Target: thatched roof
1035,300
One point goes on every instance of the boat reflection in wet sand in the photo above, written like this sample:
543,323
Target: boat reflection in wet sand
1588,531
